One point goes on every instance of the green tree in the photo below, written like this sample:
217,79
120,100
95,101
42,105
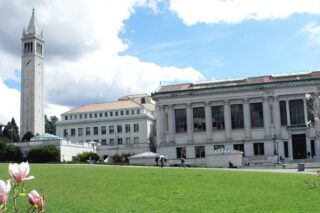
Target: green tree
44,154
27,136
83,157
3,149
11,131
50,124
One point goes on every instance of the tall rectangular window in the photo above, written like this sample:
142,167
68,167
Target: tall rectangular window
136,127
258,148
217,117
103,141
296,112
136,140
181,120
103,130
95,130
119,141
65,133
283,113
73,132
199,119
128,140
119,128
88,132
181,152
200,151
127,126
111,141
256,114
237,121
111,129
80,131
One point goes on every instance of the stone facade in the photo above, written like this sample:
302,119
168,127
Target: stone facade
265,117
122,126
31,110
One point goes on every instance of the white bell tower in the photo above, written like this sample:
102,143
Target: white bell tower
31,110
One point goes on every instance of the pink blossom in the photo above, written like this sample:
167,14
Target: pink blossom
19,172
36,200
4,191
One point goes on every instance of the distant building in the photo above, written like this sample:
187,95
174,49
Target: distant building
68,149
32,65
264,117
122,126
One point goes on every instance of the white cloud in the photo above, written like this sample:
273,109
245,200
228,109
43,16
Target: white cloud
313,33
235,11
10,104
82,49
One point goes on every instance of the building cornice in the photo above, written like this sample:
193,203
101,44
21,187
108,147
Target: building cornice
237,88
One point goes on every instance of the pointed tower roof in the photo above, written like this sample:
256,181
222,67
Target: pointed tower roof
33,27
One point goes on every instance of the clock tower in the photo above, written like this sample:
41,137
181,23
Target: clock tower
31,109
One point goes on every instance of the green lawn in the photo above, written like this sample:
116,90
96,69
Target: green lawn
85,188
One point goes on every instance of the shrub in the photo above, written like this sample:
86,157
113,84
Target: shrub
13,153
83,157
44,154
116,157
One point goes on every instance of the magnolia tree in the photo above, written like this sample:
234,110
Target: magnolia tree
19,174
313,103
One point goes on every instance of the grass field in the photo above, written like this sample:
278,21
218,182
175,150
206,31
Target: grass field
85,188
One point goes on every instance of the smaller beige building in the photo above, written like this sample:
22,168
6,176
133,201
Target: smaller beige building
122,126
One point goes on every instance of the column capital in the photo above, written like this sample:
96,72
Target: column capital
170,107
207,103
226,101
246,100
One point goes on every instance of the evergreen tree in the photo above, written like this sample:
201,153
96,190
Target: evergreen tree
11,131
50,124
27,136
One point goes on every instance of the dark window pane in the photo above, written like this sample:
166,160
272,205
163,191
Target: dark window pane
181,152
283,113
256,115
258,148
217,117
237,121
296,112
181,120
199,122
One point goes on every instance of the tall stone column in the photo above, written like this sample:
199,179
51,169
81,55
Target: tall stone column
266,117
189,123
305,110
160,124
288,112
208,115
171,125
290,150
246,115
276,116
227,119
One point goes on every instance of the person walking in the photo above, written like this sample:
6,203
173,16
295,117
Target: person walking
157,160
161,161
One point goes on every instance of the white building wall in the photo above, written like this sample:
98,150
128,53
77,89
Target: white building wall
270,131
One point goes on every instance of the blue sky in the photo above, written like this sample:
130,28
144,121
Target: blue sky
221,50
98,51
